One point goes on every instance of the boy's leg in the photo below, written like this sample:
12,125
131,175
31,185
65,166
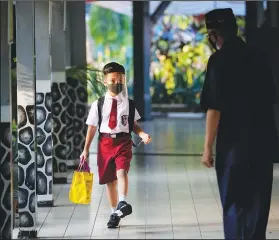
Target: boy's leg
122,161
123,208
112,195
107,175
122,177
114,219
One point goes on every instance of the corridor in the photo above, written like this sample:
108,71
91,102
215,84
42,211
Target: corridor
172,195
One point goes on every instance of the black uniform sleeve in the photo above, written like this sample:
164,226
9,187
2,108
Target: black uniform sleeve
211,92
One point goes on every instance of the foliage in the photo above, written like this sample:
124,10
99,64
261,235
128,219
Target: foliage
180,52
109,27
90,77
112,38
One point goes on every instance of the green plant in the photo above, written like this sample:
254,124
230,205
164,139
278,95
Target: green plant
14,125
87,75
112,37
179,56
13,76
110,28
90,77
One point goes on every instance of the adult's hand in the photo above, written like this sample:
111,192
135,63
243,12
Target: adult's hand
207,159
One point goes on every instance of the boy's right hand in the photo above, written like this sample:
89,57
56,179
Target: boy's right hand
145,138
84,155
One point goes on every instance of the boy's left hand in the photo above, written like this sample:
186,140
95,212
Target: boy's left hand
145,138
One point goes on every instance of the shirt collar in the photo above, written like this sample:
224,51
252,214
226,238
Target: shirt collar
118,97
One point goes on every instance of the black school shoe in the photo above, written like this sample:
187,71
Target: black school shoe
113,221
123,209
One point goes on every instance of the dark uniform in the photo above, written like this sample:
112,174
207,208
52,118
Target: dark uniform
239,84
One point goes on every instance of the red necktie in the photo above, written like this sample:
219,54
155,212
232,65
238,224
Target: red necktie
113,114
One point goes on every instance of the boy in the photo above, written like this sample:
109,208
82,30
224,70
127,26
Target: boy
116,117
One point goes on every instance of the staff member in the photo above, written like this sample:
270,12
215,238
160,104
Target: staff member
238,98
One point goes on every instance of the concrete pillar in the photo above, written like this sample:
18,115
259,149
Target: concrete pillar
77,26
59,93
273,13
43,105
254,19
76,88
13,48
266,38
5,127
142,43
68,36
273,47
26,119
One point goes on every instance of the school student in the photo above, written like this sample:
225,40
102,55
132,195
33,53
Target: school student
116,116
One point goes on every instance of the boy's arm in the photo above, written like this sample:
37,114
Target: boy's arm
137,129
92,122
144,136
89,137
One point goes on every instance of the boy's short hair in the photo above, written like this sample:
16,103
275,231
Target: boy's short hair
113,67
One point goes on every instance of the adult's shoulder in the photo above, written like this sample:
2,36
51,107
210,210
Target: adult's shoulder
214,59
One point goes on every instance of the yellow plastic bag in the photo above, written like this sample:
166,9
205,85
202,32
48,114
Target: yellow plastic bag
81,187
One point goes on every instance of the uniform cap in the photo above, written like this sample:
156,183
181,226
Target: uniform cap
220,19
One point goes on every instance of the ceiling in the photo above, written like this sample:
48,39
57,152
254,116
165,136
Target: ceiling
177,7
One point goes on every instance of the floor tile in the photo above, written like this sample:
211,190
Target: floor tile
159,231
173,197
186,232
215,234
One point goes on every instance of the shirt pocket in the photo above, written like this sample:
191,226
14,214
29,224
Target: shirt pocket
106,115
124,118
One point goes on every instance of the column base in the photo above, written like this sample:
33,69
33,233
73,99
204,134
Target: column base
60,180
27,234
46,203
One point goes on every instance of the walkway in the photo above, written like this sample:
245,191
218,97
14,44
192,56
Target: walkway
173,197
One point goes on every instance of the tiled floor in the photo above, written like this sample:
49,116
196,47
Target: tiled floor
171,136
173,197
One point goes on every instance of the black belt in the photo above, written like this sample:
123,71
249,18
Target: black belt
116,135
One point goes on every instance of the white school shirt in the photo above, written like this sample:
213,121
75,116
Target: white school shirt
122,115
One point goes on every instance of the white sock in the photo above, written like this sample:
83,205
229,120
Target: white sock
113,209
122,198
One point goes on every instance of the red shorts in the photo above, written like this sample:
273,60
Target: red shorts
113,154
